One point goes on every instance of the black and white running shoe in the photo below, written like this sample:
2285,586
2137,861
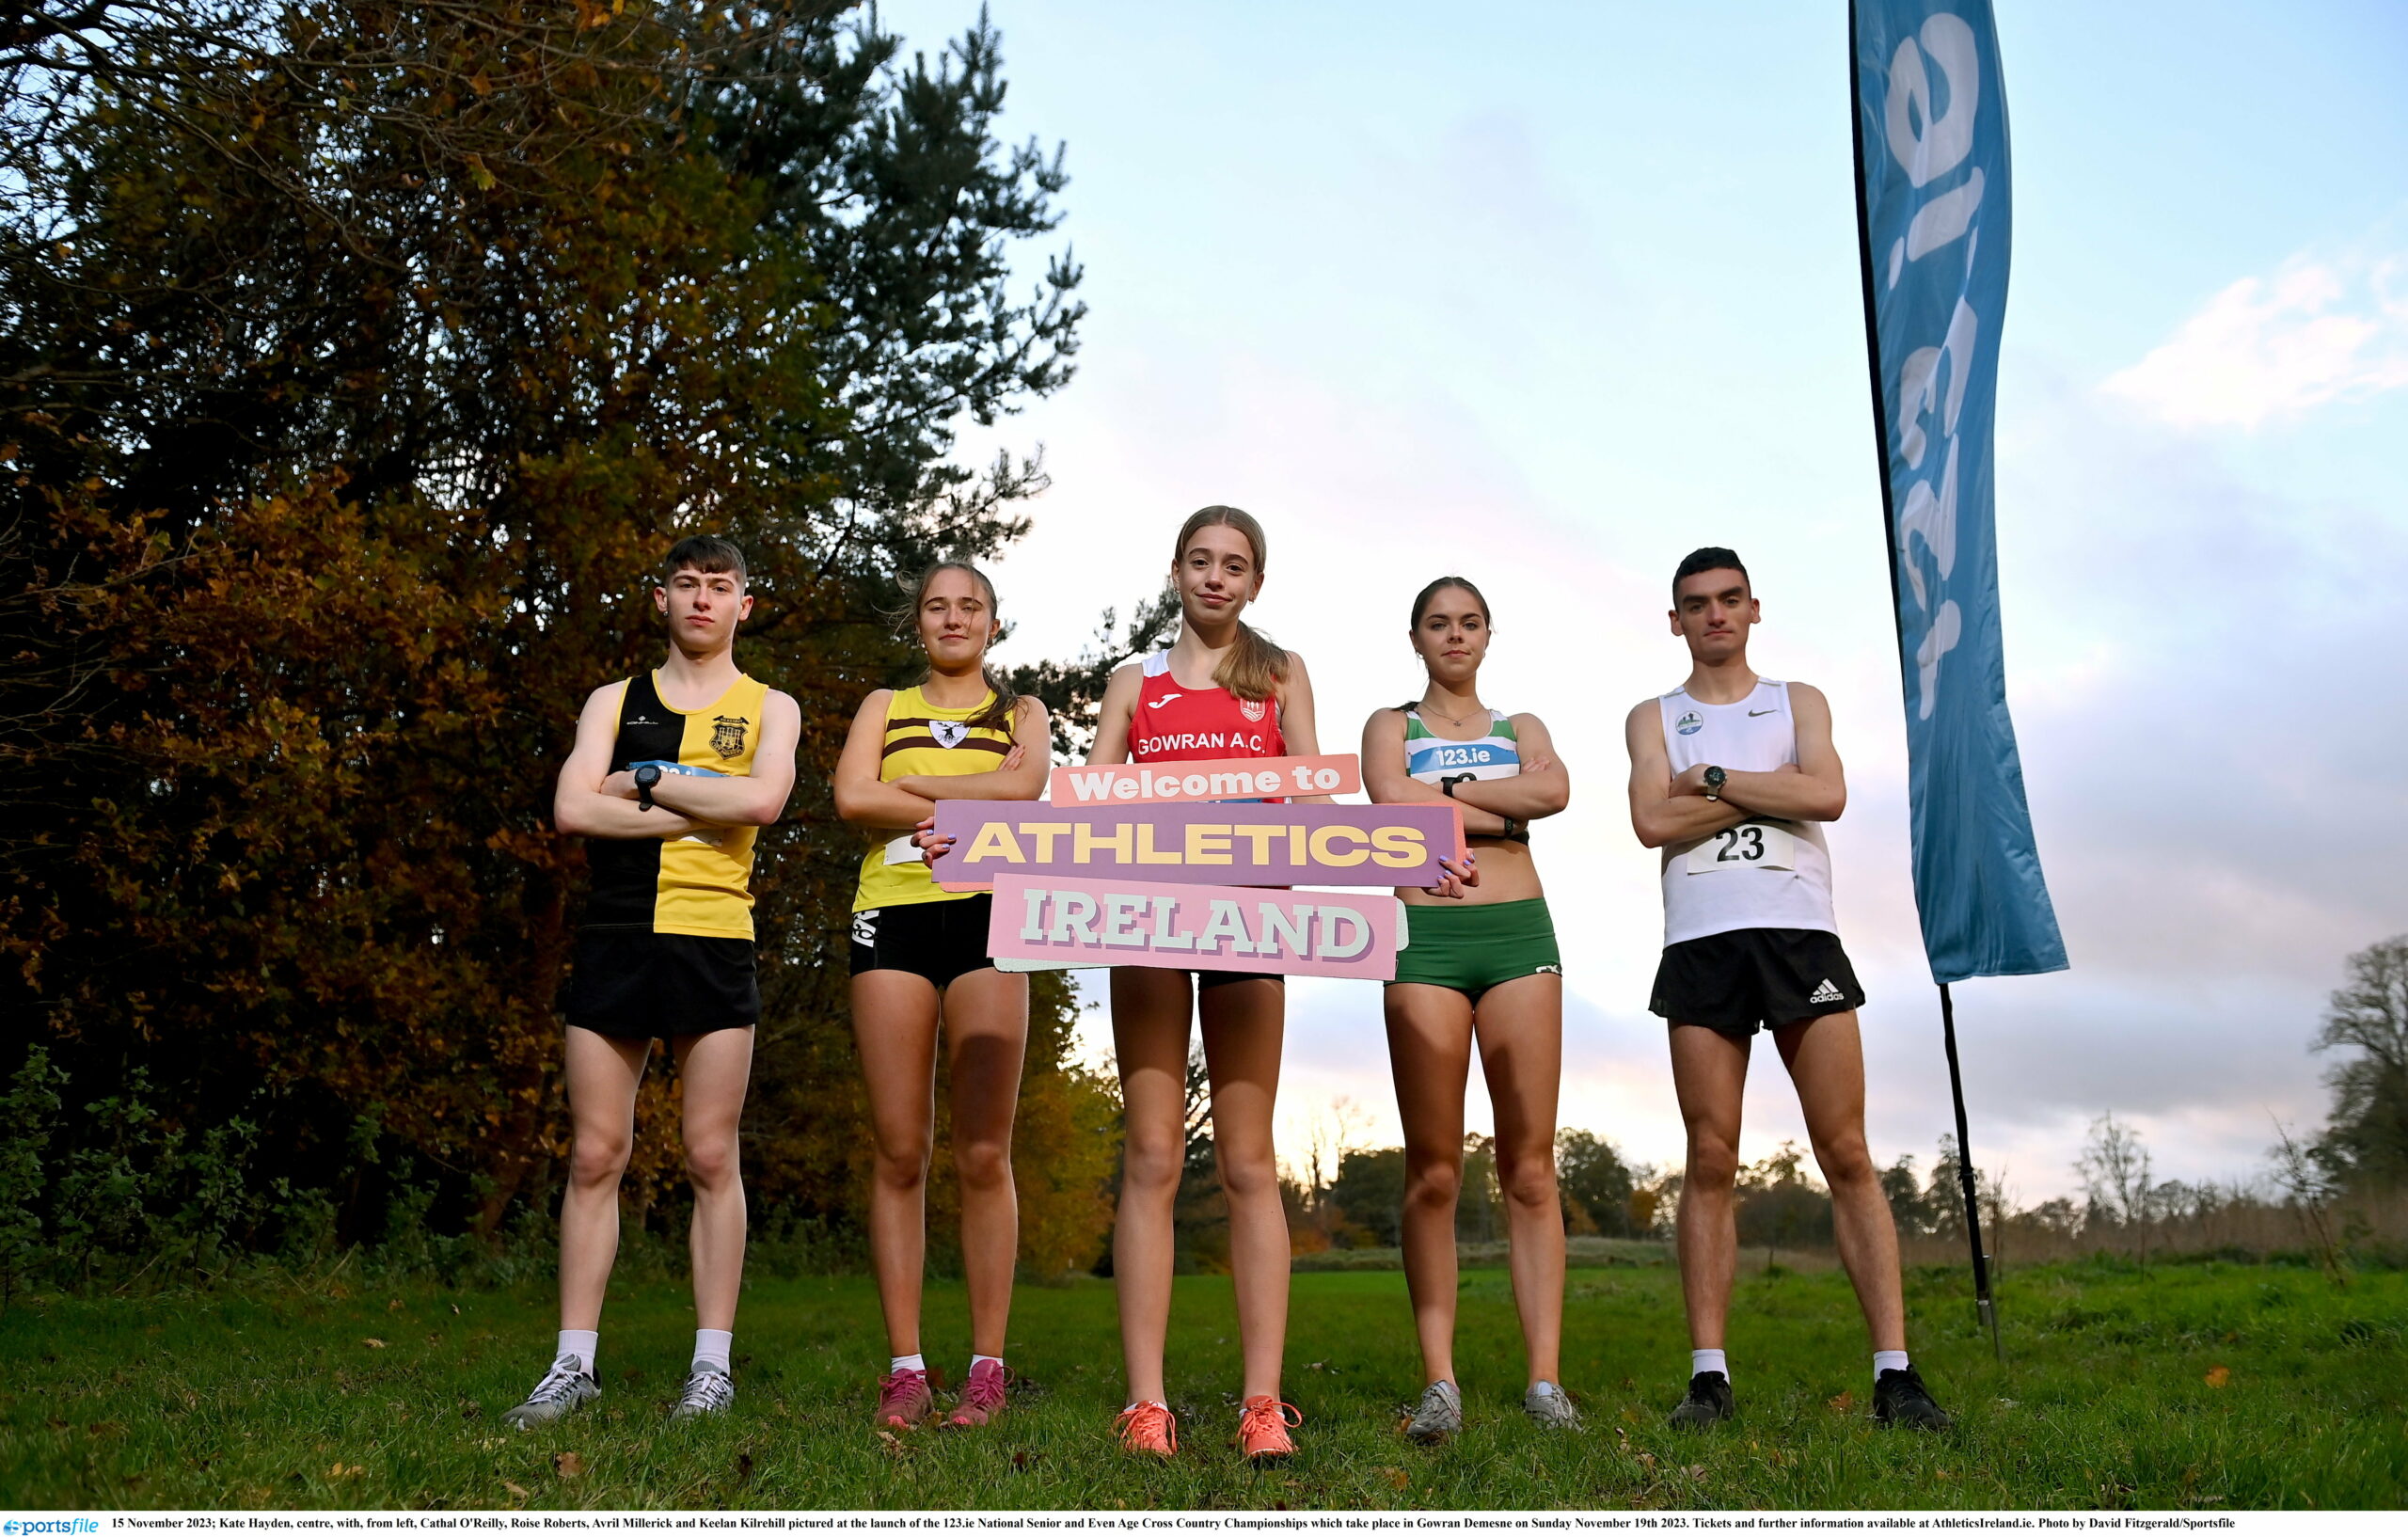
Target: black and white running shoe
1709,1403
709,1391
1899,1398
567,1386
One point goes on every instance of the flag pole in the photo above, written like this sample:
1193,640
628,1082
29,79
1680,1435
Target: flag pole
1966,1180
1982,1304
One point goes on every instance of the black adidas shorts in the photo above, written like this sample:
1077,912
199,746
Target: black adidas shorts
638,985
940,940
1750,978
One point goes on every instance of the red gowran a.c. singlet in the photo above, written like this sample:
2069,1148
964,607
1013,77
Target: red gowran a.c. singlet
1174,724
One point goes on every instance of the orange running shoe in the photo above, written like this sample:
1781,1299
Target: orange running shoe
1262,1429
1149,1427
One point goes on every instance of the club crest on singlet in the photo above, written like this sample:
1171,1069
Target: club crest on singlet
727,735
1172,722
949,733
1689,724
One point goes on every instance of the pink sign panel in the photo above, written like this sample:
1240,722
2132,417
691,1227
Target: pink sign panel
1226,844
1224,779
1112,921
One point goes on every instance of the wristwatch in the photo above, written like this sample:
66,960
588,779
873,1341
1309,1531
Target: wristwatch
1714,778
647,775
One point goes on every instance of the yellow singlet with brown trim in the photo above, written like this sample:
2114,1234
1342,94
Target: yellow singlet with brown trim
701,884
924,739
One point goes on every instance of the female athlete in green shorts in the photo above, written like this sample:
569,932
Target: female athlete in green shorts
1481,968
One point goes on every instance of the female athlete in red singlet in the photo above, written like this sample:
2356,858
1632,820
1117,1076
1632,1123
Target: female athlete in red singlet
1220,691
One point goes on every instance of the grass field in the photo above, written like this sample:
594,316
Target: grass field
2213,1386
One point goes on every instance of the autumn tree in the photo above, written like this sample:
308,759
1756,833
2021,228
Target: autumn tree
357,362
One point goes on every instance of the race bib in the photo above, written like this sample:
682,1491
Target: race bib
1750,845
903,851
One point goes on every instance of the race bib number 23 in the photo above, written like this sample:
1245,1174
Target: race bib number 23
1750,845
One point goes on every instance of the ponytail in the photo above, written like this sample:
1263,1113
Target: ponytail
1001,712
1256,666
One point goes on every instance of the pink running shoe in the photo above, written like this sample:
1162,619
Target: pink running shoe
903,1400
1262,1429
1150,1428
982,1396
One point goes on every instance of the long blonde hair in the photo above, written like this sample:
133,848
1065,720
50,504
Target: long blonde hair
1000,714
1255,668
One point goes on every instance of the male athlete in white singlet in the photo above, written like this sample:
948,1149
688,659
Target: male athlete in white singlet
1732,776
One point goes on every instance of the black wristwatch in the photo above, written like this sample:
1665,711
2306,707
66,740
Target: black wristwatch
647,775
1714,778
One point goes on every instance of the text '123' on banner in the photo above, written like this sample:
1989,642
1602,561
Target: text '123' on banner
1232,845
1111,921
1226,779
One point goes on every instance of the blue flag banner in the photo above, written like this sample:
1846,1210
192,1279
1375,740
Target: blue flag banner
1933,219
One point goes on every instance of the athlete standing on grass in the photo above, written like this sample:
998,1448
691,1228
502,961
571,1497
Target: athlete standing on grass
1220,691
1732,776
919,959
671,775
1482,966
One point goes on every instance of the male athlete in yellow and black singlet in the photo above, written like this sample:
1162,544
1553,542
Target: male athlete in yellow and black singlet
673,774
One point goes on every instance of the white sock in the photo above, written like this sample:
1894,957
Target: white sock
1887,1360
975,1358
1709,1360
914,1362
581,1344
1135,1402
712,1347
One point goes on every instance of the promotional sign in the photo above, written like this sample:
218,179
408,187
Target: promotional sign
1934,225
1231,843
1116,921
1224,779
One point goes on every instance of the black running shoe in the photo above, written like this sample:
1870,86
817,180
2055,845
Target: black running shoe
1709,1403
1899,1398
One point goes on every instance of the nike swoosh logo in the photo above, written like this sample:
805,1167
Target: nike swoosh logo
1158,703
1753,714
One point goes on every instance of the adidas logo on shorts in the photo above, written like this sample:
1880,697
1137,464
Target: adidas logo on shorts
1827,995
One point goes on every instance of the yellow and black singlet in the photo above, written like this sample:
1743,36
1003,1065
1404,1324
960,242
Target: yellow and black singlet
701,884
922,739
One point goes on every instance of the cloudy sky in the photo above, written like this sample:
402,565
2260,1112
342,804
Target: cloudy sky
1553,296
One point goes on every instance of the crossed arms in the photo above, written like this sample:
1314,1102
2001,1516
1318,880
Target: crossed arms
593,802
1540,789
1667,808
866,801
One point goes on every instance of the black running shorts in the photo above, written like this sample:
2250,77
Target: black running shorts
639,985
940,940
1750,978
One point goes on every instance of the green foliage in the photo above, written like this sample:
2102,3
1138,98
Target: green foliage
2212,1388
1370,1189
1596,1184
2367,1142
1780,1206
26,1113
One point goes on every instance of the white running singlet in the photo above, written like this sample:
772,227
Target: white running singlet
1764,873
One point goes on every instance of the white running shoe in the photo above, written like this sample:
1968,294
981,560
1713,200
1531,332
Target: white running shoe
1439,1415
1550,1405
709,1391
565,1388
